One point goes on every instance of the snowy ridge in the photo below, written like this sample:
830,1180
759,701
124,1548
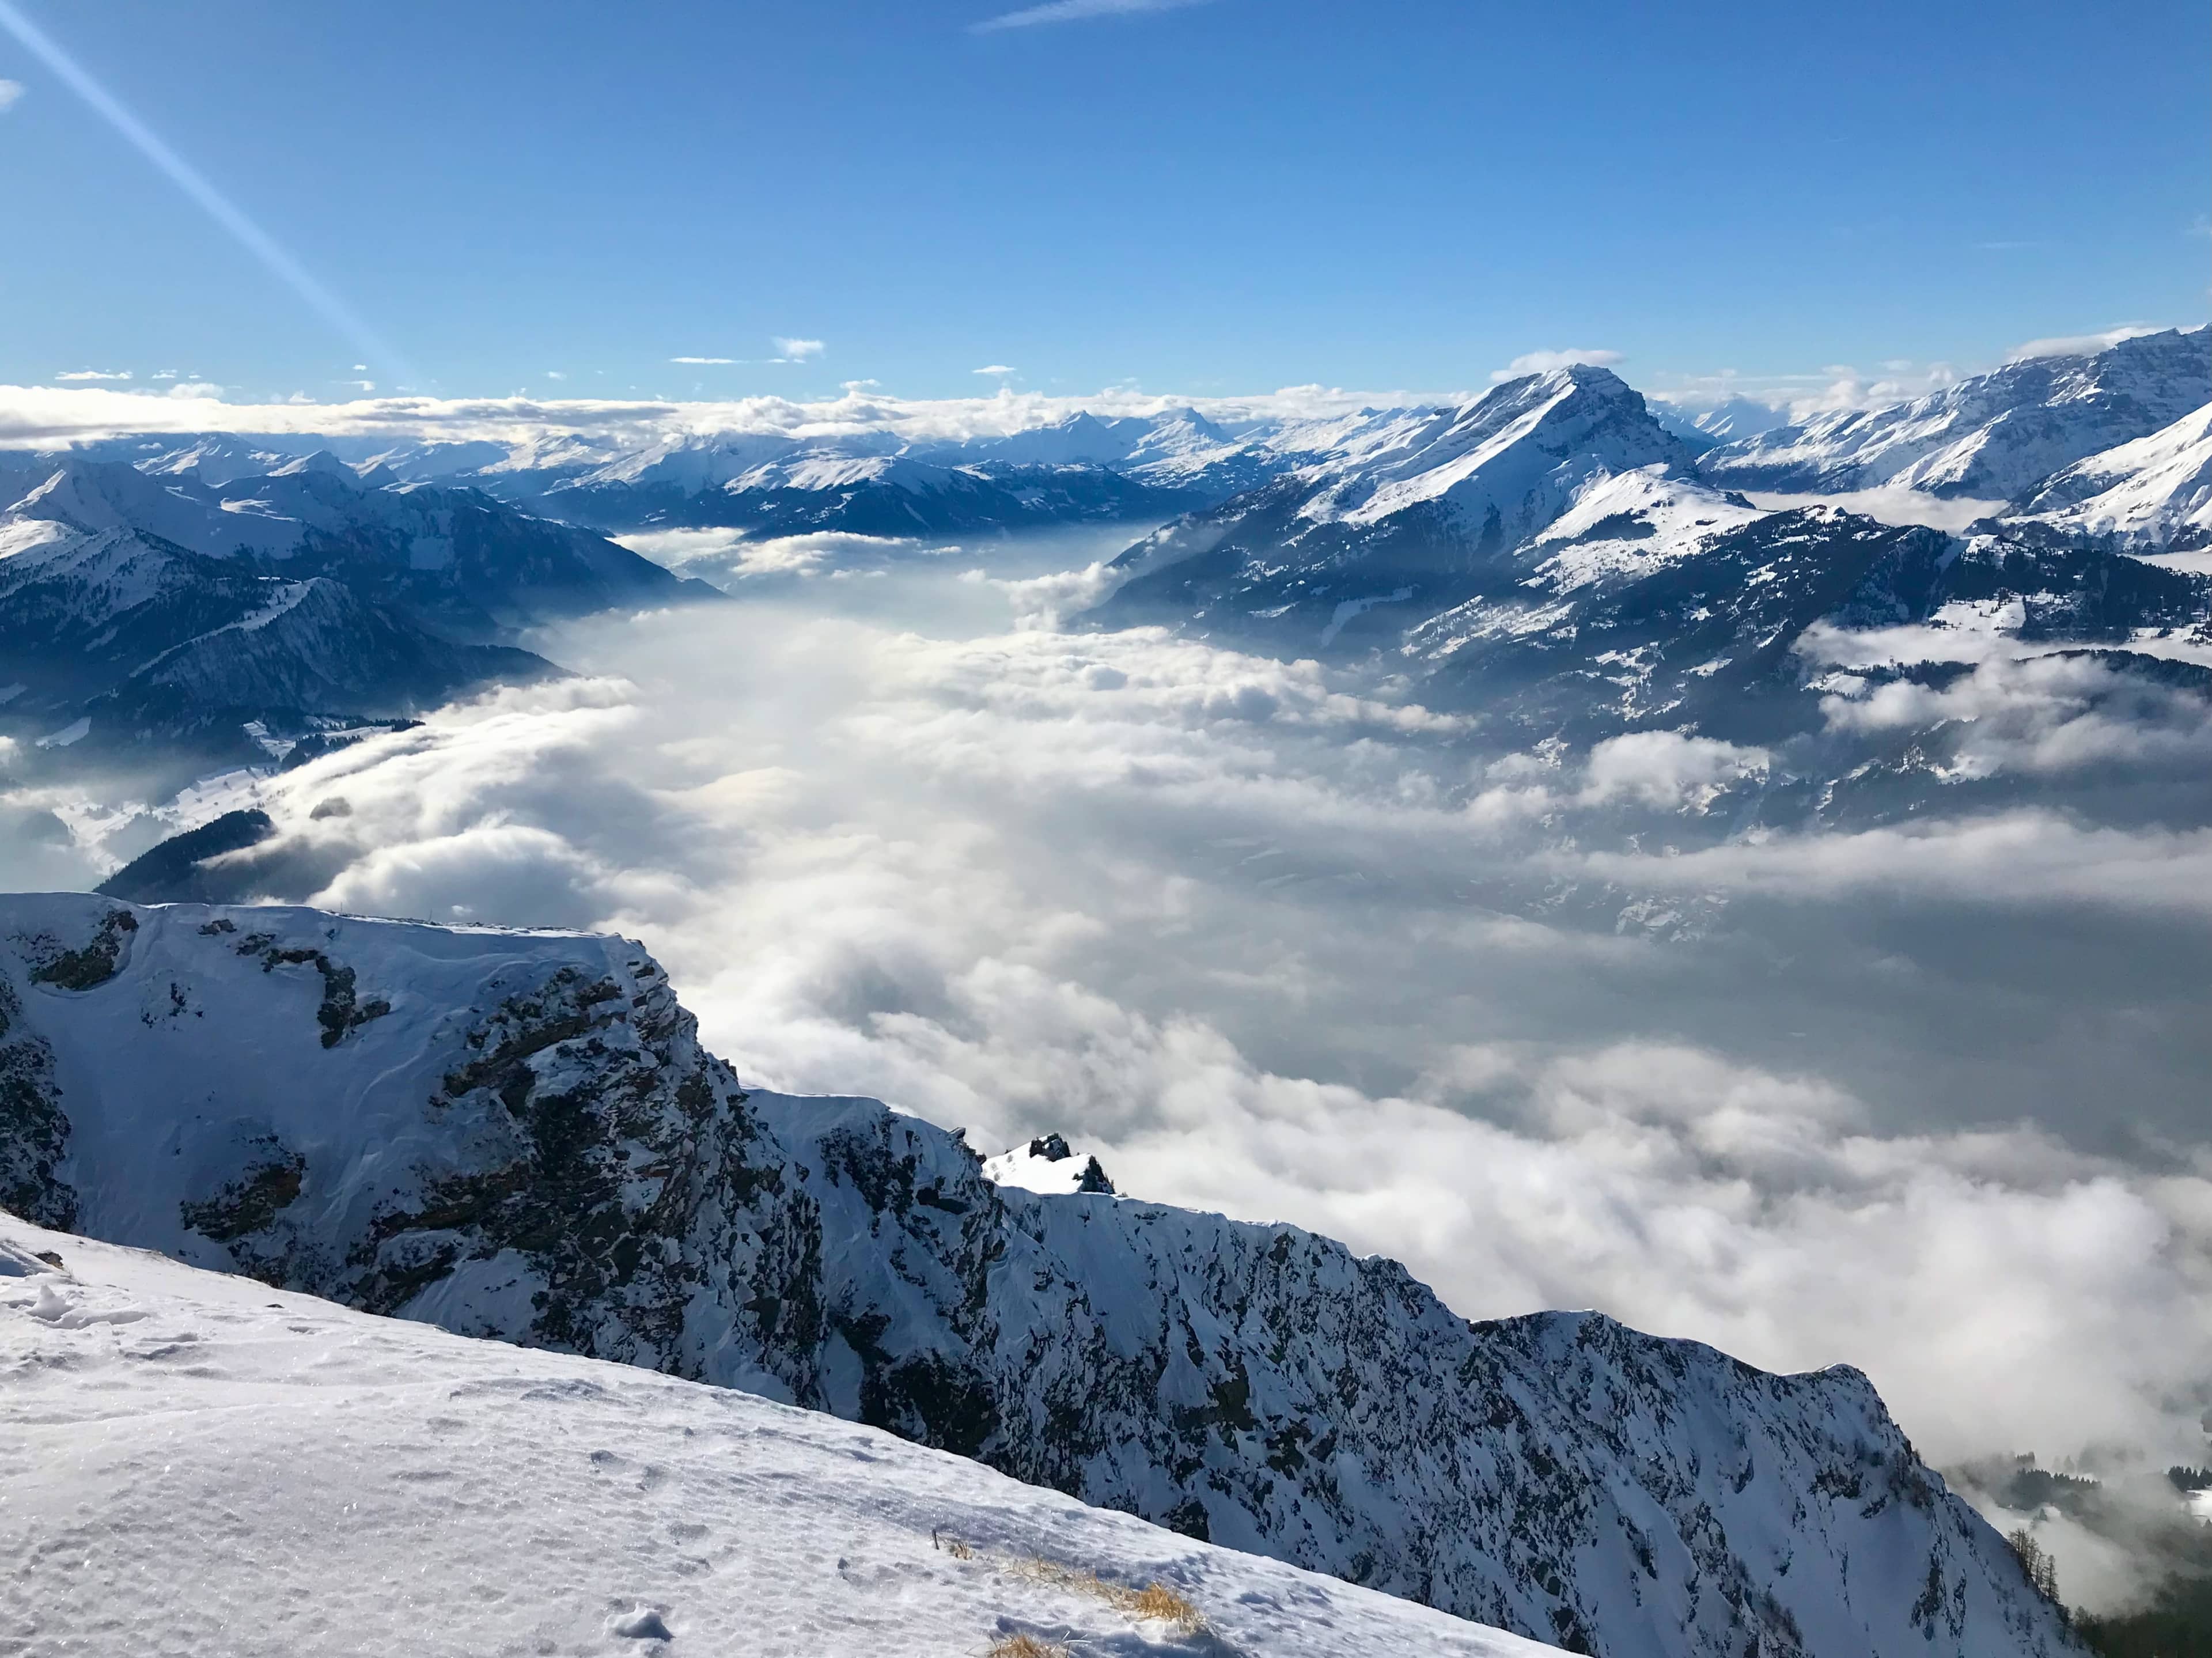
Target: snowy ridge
1505,464
1408,514
577,1507
169,611
1046,1163
517,1134
2151,494
1993,437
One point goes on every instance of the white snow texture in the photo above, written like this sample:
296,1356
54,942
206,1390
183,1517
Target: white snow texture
194,1463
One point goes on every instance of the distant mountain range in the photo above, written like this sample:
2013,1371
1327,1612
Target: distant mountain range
1991,438
1553,559
1557,556
149,611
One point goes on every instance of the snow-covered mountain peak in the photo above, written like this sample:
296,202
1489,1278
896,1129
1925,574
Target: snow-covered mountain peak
321,463
1047,1164
2151,494
1515,454
214,460
1079,437
1992,437
96,494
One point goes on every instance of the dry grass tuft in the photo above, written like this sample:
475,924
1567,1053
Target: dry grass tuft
1023,1646
1154,1601
1167,1605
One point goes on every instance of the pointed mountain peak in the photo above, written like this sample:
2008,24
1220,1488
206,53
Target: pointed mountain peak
97,495
321,462
1047,1164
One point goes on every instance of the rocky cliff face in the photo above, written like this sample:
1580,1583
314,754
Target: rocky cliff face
519,1135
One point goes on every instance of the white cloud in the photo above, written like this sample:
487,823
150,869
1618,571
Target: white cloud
994,368
92,374
1667,770
797,350
10,91
1276,941
1543,362
1847,388
555,374
2081,345
55,414
1073,11
723,361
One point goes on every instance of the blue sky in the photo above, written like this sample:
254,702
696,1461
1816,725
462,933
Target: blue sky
1214,198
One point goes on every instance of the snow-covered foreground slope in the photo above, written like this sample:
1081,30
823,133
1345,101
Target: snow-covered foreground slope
195,1463
517,1134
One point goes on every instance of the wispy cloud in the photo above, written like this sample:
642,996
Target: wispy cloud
1074,11
9,92
1542,363
92,374
994,368
786,351
2081,345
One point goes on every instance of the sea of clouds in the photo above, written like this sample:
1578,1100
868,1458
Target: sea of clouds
1276,939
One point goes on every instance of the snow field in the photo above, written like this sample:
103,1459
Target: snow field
191,1463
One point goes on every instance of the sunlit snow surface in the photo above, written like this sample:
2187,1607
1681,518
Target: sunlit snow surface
191,1463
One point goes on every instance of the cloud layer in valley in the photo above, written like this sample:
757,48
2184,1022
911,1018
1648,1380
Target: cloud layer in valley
1275,939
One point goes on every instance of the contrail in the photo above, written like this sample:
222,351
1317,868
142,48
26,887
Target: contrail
219,207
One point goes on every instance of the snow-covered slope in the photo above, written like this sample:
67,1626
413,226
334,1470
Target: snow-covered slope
473,562
1702,640
1047,1164
316,647
1407,515
1991,438
153,645
2153,494
169,611
195,1463
519,1135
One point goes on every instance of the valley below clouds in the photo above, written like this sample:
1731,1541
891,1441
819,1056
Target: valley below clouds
1556,1028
